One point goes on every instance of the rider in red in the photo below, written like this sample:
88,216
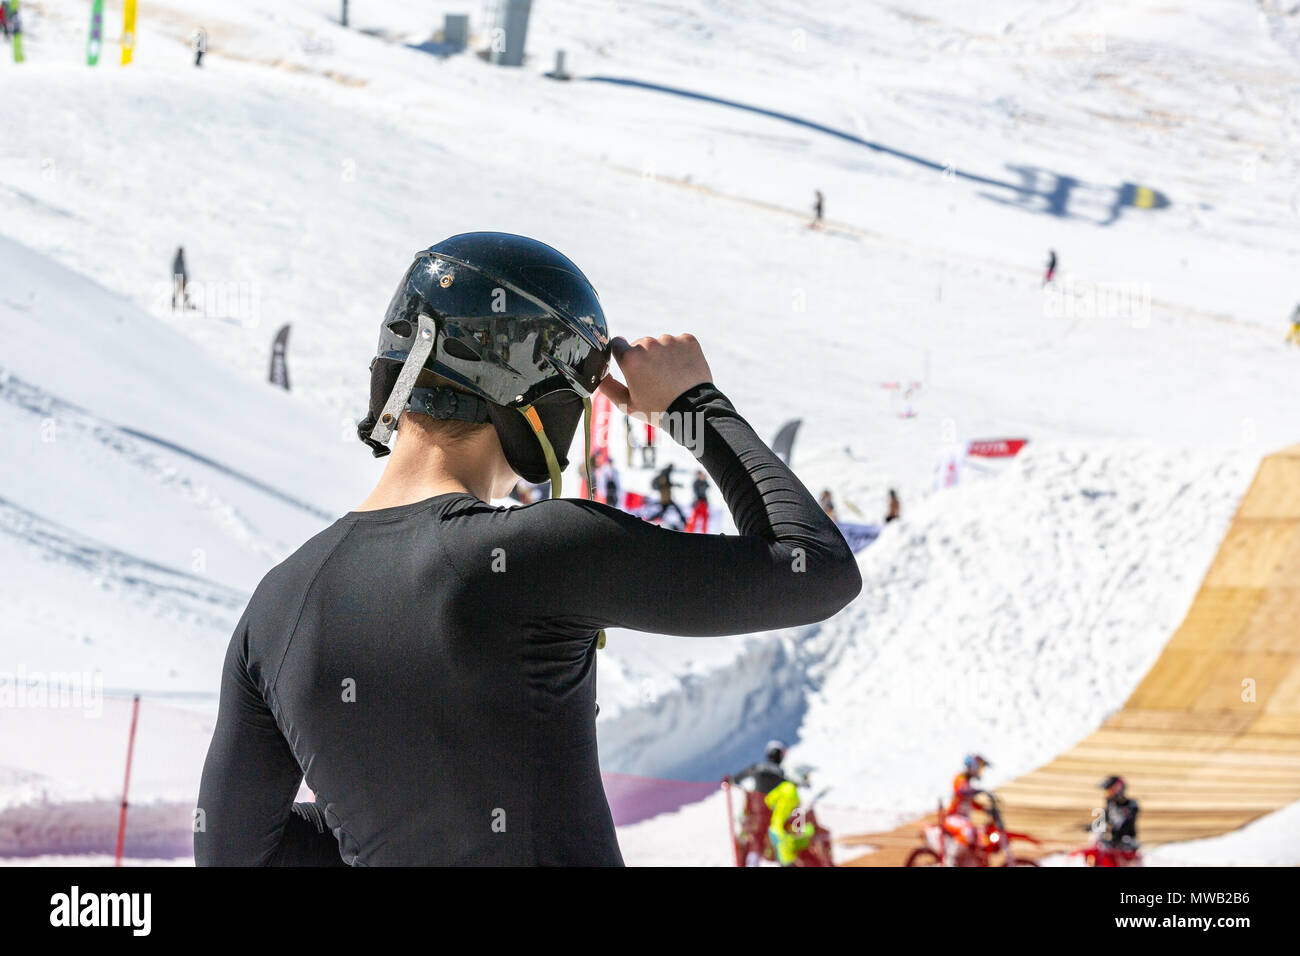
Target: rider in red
964,835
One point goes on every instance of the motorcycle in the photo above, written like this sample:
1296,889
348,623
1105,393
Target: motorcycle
996,840
1100,853
749,838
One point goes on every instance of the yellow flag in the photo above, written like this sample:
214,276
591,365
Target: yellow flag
128,32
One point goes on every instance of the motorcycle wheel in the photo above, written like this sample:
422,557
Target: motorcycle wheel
923,856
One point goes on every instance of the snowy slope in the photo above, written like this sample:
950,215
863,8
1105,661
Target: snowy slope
955,143
145,488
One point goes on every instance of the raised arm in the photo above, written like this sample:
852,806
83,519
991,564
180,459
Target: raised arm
788,565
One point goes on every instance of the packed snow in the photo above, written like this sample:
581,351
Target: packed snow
152,475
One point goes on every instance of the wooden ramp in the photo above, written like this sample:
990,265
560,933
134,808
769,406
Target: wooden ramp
1210,739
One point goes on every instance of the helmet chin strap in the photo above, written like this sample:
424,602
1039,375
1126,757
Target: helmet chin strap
553,464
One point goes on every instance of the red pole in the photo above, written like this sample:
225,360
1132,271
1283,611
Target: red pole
126,783
731,824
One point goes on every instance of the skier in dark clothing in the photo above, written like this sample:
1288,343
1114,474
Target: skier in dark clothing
180,279
200,44
827,503
1051,266
819,207
427,664
767,773
895,507
1121,816
4,18
663,483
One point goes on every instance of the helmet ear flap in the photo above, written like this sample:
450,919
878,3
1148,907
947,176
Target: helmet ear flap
383,376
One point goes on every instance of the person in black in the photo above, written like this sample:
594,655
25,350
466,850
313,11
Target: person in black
180,279
200,44
1121,816
819,207
428,662
663,484
895,507
1050,273
767,773
827,503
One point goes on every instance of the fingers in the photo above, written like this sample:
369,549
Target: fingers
616,391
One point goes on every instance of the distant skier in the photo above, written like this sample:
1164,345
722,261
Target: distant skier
895,507
663,483
827,503
180,281
200,44
1293,336
608,487
819,209
613,487
699,520
1051,266
4,18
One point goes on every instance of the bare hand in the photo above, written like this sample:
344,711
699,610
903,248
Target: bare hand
658,370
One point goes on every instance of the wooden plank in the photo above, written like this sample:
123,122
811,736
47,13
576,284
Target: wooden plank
1274,623
1275,490
1137,718
1251,554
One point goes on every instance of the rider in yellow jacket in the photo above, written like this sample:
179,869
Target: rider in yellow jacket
786,839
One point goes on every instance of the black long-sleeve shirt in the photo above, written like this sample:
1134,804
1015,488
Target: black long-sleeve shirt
430,669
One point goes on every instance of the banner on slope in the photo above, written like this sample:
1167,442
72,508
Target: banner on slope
128,32
96,40
279,374
783,443
602,410
995,447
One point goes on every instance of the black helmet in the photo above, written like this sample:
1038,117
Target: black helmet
1114,786
774,752
511,322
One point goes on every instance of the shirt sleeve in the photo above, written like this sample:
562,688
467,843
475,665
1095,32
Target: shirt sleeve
245,814
600,567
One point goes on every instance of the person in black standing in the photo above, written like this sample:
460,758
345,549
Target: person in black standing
663,484
427,664
767,773
828,503
180,280
1050,273
819,209
1121,816
895,507
200,44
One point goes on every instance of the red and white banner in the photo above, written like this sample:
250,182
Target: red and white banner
602,410
996,447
